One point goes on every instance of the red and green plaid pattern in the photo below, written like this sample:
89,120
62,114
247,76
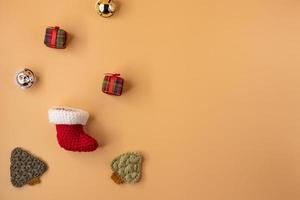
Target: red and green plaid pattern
113,84
59,42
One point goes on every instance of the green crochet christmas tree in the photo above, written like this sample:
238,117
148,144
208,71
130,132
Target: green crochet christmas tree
127,168
25,168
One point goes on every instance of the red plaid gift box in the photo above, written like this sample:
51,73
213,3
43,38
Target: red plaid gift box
55,38
112,84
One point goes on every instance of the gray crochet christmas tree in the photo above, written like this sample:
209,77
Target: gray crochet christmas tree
25,168
127,168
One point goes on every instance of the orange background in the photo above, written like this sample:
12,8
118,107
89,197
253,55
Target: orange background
212,97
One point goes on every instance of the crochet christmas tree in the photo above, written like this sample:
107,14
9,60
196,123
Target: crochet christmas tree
25,168
127,168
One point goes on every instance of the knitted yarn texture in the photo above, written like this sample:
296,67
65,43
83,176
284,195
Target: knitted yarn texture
69,127
127,168
25,167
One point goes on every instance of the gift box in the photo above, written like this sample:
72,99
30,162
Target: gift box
112,84
55,37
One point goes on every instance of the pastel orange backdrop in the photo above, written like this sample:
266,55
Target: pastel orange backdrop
212,97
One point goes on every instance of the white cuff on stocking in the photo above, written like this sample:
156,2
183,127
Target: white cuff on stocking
66,115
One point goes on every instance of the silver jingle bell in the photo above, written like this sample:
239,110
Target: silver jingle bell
25,78
105,8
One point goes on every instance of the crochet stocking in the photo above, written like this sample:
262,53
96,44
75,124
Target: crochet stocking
69,127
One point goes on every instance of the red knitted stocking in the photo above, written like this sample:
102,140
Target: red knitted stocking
69,126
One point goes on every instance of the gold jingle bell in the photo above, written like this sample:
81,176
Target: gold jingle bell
105,8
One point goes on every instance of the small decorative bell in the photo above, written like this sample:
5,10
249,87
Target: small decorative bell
105,8
25,78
